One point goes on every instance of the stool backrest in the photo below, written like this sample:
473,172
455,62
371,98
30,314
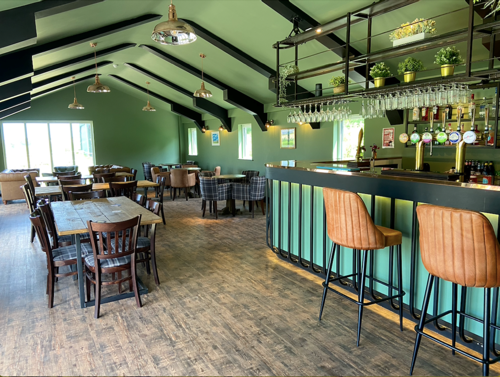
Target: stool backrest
349,223
459,246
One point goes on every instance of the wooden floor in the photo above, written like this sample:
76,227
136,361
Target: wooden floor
226,306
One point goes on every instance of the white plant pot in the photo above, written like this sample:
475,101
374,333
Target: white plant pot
410,39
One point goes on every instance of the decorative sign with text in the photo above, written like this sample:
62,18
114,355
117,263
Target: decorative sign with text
388,137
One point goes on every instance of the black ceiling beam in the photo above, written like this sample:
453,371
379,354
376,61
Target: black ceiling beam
15,89
15,110
13,102
20,63
174,106
48,8
84,58
62,86
199,103
39,84
231,95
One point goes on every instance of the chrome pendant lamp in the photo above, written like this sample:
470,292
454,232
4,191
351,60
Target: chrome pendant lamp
97,87
173,32
148,107
75,105
202,92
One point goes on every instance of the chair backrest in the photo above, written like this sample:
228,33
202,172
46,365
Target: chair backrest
99,176
154,207
29,196
114,179
349,223
209,188
69,174
257,188
123,188
179,178
189,166
69,182
249,174
139,199
146,166
134,174
98,194
48,217
80,188
31,187
161,180
112,240
459,246
207,173
41,232
217,170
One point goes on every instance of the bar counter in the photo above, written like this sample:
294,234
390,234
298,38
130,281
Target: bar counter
296,231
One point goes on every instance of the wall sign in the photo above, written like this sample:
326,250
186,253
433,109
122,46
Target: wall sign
215,138
388,137
288,140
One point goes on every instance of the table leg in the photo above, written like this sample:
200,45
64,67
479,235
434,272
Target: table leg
79,266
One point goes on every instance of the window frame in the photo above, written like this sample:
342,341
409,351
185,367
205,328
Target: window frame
338,137
242,147
47,122
192,132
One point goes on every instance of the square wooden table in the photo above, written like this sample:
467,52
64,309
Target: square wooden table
56,190
71,219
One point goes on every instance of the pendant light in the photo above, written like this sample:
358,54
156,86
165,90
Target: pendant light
202,92
97,87
148,107
75,105
173,32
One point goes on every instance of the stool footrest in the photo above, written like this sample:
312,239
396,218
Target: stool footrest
365,303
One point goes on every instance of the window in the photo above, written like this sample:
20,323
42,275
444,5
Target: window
193,144
44,145
245,141
346,138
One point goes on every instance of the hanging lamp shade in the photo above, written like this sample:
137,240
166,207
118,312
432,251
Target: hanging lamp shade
97,87
173,32
148,107
75,105
202,92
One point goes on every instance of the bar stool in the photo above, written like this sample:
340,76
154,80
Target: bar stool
458,246
350,225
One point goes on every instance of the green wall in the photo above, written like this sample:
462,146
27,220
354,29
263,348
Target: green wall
123,134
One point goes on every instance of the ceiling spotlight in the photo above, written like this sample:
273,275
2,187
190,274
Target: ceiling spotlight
204,129
202,92
75,105
221,128
148,107
318,31
269,123
97,87
173,32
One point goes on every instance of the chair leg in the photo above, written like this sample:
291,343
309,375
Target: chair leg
153,263
163,214
253,209
215,209
262,205
203,207
32,233
87,287
243,204
186,192
486,332
400,287
50,284
327,280
421,324
173,197
361,295
97,293
134,282
211,204
454,295
119,284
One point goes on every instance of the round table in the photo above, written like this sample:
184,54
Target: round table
230,176
188,168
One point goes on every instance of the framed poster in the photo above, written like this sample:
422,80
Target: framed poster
288,140
215,139
388,137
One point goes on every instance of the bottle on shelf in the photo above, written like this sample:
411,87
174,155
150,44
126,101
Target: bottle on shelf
416,114
425,113
472,106
482,108
494,105
479,135
491,136
435,112
449,112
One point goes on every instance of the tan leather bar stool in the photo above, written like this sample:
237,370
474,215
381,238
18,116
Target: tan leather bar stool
350,225
458,246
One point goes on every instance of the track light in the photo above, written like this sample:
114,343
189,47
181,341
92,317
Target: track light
269,123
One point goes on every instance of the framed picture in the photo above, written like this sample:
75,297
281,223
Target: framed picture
215,139
288,140
388,137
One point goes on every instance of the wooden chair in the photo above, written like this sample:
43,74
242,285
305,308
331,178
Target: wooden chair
30,201
139,199
98,194
114,248
134,174
69,174
72,188
146,166
217,170
99,176
180,178
69,182
161,180
123,188
56,257
146,245
114,179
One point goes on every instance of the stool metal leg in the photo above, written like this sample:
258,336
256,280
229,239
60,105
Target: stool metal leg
486,332
454,316
361,295
400,286
423,314
327,280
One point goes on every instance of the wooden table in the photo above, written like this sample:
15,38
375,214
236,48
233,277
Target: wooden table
71,219
56,190
230,207
188,168
168,165
230,176
54,179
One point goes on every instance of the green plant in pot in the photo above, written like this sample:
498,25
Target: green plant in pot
409,68
448,58
379,72
338,83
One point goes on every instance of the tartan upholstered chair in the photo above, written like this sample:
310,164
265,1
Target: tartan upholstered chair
248,176
253,192
212,191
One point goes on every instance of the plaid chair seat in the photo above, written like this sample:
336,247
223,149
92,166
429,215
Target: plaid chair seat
251,192
69,252
249,174
107,263
83,236
212,190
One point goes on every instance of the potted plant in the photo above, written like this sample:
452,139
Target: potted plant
285,71
338,84
412,31
379,72
409,67
448,58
